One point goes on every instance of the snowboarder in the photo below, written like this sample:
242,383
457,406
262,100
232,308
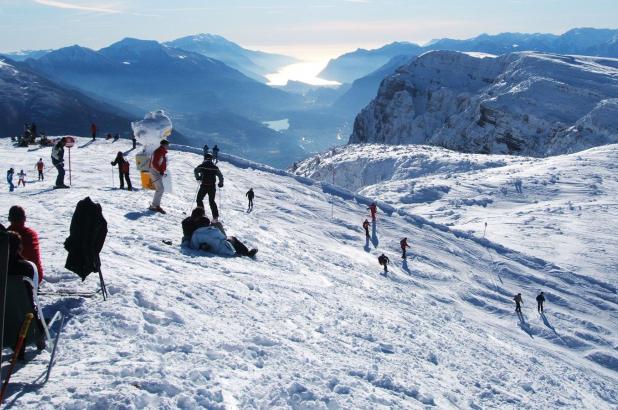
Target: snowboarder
9,179
57,157
158,166
123,170
93,130
40,166
374,209
207,172
518,303
250,195
29,238
366,228
384,261
404,245
206,150
215,154
540,299
22,178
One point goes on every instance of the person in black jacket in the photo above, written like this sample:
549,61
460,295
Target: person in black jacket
215,154
540,299
87,236
123,170
194,222
207,172
57,158
250,195
384,261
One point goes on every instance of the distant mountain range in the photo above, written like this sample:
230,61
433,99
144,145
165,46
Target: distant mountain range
524,103
580,41
27,96
254,64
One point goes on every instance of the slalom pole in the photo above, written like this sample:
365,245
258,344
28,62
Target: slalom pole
20,342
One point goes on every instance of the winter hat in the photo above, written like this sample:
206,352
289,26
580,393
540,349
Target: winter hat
208,156
165,142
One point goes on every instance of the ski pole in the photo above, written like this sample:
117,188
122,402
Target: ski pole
20,342
112,176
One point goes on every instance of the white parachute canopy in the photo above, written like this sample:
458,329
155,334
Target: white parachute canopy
152,129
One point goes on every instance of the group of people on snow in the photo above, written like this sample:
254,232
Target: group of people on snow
540,300
21,175
215,152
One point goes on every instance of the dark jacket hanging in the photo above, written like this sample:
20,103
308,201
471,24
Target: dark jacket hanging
86,239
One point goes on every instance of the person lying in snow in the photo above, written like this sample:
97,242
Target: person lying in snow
199,233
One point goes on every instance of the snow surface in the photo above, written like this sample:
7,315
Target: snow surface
311,322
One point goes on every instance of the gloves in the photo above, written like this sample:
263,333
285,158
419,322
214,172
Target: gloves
220,185
111,163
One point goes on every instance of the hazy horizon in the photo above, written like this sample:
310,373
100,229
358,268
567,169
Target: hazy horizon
312,31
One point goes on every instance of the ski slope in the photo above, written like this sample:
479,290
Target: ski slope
311,322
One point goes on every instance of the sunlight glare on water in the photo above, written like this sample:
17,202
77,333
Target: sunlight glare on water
305,72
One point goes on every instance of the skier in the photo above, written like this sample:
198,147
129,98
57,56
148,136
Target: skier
207,172
29,238
404,245
123,170
250,195
206,150
215,154
374,209
22,178
9,179
158,166
40,166
134,141
93,130
384,261
366,228
540,299
518,303
57,157
214,239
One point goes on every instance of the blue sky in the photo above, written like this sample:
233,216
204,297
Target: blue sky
310,28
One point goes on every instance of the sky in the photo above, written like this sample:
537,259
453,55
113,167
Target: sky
309,29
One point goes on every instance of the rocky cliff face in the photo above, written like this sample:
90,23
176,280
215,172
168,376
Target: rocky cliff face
521,103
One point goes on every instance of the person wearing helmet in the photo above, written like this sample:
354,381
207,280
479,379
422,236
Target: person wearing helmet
207,172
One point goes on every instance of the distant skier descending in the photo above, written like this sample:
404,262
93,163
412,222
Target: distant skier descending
384,261
373,208
93,131
366,228
518,302
158,166
404,244
540,299
250,195
207,172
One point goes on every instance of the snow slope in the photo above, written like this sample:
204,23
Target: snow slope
526,103
310,323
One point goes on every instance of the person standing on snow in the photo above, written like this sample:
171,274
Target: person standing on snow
30,239
123,170
250,195
518,302
206,150
384,261
373,208
404,245
9,179
540,299
57,157
22,178
40,166
215,154
158,166
207,172
93,130
366,228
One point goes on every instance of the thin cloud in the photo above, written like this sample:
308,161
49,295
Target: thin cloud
71,6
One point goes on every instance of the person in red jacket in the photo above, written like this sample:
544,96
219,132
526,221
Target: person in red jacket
404,245
158,166
29,237
93,129
373,208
